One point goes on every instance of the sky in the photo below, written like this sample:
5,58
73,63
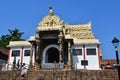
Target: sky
104,15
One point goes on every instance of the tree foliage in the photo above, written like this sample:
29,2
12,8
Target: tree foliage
14,35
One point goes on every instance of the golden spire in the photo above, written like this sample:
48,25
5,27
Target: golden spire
51,12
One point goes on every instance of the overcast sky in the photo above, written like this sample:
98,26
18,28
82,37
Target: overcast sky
26,14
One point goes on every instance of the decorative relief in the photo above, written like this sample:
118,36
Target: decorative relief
80,31
51,20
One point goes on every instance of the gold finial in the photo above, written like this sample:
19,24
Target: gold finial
51,12
50,7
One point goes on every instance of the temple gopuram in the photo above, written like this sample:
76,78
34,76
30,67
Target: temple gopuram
58,45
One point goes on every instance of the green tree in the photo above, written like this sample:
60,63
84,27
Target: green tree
14,35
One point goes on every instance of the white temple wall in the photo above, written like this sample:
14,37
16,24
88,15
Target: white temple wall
11,59
26,59
92,60
77,58
21,57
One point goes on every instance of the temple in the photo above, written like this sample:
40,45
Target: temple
68,46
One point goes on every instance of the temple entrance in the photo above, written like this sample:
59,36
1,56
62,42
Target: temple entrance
50,55
53,55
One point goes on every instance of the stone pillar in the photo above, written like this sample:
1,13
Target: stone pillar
31,56
40,51
37,51
69,55
61,47
37,46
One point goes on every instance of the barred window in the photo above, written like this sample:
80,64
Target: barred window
84,62
91,51
77,51
15,53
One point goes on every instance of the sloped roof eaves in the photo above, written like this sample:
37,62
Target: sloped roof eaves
86,41
19,44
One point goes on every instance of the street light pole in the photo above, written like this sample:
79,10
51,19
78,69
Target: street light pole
117,60
115,42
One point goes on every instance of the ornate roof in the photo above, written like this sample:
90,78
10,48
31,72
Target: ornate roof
81,34
82,31
50,20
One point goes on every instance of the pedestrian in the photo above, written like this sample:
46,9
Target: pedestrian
18,64
23,70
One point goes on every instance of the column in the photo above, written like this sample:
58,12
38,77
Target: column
31,52
99,59
21,60
69,55
38,60
61,48
9,56
37,50
84,55
37,46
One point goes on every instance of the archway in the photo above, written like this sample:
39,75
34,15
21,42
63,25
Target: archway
51,51
52,55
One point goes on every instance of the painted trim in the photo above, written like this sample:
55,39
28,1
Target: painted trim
98,50
8,56
22,55
45,50
84,55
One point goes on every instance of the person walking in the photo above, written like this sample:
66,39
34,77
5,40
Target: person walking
23,70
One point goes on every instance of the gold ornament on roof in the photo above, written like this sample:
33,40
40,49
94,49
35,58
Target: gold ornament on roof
80,31
51,20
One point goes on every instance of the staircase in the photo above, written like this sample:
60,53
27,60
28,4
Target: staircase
60,74
9,75
73,75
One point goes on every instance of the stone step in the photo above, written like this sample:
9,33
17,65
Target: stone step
59,74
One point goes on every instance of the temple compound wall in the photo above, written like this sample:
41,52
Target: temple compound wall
58,45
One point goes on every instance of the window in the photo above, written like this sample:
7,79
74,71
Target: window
84,62
27,53
15,53
77,51
91,51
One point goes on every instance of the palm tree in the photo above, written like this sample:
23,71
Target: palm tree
14,35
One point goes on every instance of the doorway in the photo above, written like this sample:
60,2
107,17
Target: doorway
52,55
